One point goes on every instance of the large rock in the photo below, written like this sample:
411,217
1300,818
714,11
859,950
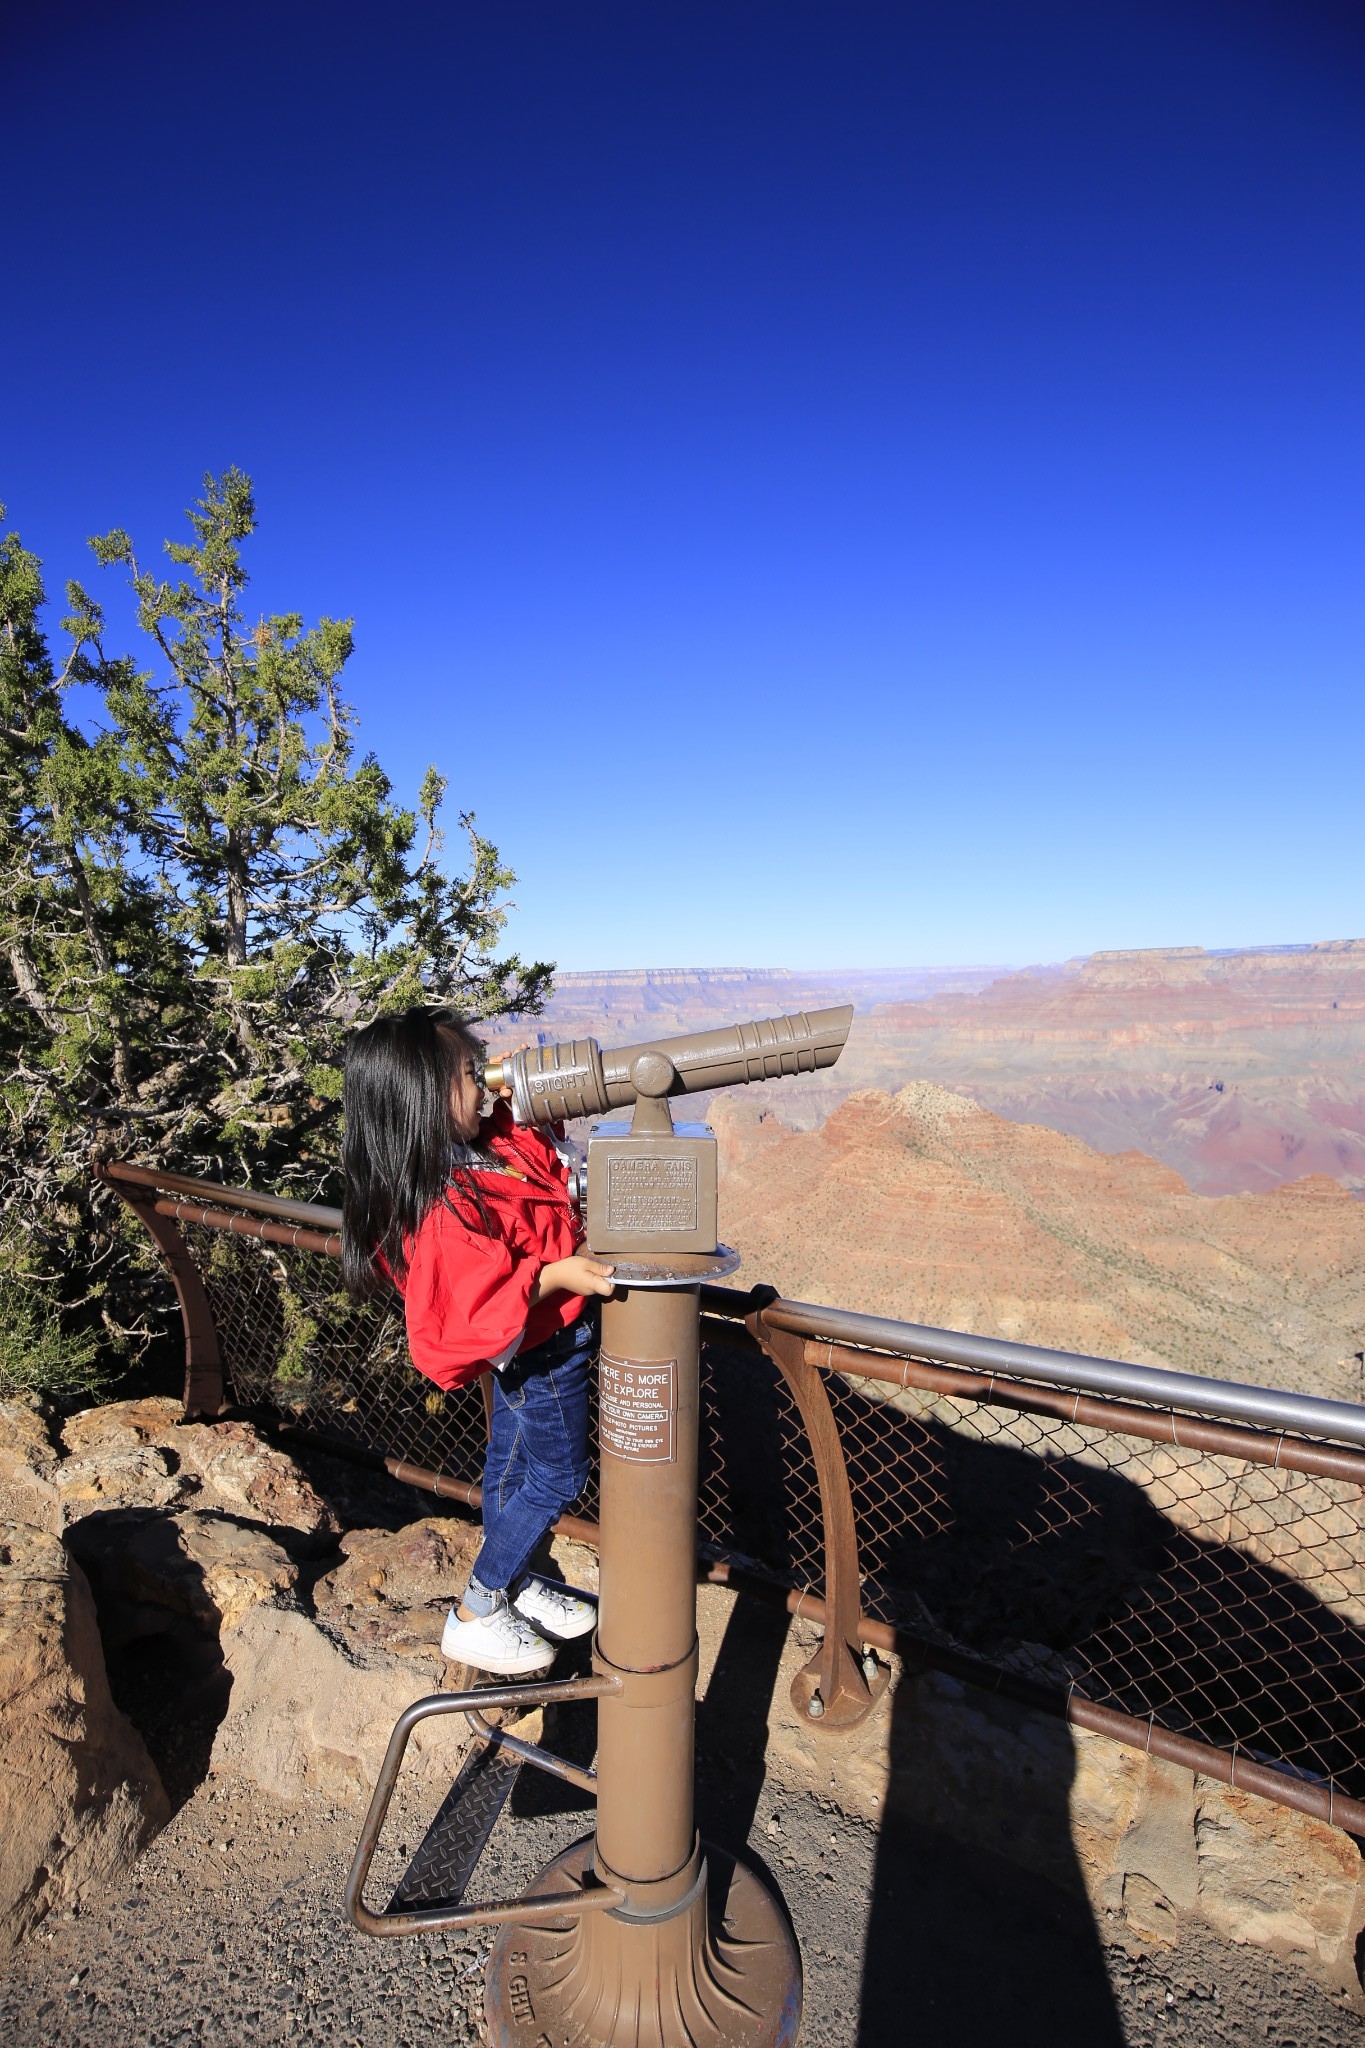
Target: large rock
28,1466
118,1425
151,1571
121,1476
1275,1877
313,1702
1144,1867
79,1795
243,1474
392,1589
138,1454
307,1715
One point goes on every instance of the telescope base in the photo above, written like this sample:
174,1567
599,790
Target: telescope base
722,1970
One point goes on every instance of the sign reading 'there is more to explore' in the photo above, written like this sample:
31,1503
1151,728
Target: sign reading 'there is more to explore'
637,1406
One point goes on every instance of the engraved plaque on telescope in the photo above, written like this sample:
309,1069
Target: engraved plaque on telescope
651,1192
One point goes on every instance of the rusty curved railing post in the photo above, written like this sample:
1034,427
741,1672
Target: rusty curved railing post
833,1690
203,1394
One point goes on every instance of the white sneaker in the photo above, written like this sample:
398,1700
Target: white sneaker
502,1641
556,1611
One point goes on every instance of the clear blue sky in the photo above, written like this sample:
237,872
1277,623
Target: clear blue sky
830,484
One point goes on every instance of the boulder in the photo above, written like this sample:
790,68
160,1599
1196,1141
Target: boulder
138,1454
150,1571
28,1465
117,1425
1149,1868
1270,1875
79,1795
389,1596
313,1702
243,1474
121,1476
306,1714
423,1565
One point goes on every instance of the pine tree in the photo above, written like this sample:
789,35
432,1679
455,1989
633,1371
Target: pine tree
204,886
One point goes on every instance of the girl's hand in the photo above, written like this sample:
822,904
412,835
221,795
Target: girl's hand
579,1275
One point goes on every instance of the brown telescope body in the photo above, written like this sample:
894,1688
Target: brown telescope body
641,1935
550,1082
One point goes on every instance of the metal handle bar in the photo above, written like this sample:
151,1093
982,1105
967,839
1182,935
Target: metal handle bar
524,1910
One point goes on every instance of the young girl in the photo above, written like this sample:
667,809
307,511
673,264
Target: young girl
470,1217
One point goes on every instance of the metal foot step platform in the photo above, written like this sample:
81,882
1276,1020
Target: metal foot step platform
448,1853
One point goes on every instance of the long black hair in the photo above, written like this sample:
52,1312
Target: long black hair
396,1153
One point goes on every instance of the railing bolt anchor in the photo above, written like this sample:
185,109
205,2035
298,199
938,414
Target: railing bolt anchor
871,1668
815,1706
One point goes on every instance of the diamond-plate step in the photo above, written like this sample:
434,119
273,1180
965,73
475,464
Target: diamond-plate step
449,1851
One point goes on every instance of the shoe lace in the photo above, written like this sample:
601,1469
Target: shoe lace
524,1631
558,1597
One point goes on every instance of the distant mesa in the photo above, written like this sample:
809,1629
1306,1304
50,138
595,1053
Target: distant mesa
1241,1070
1151,953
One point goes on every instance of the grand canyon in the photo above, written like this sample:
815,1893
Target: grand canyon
1240,1070
1152,1155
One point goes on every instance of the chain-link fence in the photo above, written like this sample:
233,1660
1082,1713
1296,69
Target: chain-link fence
1211,1593
293,1342
1214,1596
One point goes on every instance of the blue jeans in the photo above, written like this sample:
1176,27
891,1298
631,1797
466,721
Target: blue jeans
537,1460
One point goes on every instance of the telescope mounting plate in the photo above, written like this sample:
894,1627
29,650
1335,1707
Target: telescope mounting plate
671,1269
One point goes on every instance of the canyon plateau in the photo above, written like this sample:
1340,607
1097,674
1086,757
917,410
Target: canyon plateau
924,1206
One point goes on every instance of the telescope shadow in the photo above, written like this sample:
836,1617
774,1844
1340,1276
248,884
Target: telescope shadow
1060,1572
733,1722
903,1919
981,1950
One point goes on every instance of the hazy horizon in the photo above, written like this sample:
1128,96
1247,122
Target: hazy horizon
946,966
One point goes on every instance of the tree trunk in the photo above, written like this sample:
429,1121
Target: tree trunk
30,988
235,931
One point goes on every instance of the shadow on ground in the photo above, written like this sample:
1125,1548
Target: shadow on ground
959,1947
964,1948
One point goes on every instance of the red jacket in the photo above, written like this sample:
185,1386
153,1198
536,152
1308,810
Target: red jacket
467,1293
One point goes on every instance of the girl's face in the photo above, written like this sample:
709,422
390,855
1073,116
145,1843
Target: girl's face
466,1097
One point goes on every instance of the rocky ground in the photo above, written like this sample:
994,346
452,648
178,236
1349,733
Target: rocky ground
261,1655
231,1929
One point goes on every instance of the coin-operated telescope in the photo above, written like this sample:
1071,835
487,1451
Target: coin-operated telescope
639,1935
651,1185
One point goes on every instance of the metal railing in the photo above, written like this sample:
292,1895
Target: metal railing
1174,1562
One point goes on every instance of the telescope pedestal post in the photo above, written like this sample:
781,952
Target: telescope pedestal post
701,1955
